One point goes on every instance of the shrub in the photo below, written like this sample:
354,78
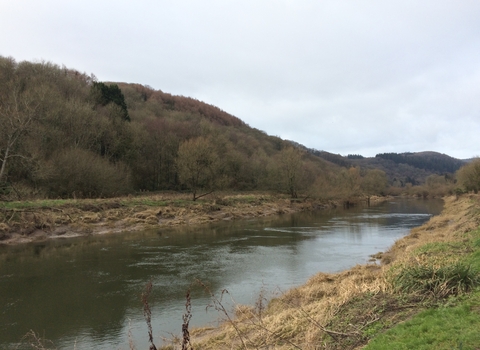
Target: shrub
469,176
80,173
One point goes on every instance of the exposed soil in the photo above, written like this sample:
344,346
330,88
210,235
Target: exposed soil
38,221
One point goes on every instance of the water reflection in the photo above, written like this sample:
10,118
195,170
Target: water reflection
86,291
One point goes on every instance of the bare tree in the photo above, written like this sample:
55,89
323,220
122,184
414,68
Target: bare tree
374,182
197,162
291,166
469,176
19,107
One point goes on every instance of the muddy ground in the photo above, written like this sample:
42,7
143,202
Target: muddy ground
23,222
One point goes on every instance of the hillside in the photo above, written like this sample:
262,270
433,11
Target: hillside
64,134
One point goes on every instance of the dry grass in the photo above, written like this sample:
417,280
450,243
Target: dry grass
458,217
297,318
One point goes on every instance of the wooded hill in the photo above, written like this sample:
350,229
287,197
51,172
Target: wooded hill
400,168
64,134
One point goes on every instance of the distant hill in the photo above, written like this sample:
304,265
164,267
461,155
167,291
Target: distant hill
401,168
430,161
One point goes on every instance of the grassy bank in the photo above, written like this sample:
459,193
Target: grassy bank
28,221
423,295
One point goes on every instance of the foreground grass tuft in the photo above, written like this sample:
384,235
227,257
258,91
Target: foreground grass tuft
437,281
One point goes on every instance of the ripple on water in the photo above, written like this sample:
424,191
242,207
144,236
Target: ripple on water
275,255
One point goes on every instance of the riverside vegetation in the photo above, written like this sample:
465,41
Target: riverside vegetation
63,134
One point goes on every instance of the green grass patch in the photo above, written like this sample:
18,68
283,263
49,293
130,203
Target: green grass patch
476,243
366,316
442,328
439,248
450,277
47,203
473,258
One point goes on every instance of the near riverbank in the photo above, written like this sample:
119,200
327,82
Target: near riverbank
27,221
423,293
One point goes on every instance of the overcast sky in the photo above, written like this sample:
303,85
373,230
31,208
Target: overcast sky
348,77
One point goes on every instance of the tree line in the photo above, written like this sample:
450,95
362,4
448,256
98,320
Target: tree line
441,164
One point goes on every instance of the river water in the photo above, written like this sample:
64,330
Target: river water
84,293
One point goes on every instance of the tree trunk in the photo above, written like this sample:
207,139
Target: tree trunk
2,169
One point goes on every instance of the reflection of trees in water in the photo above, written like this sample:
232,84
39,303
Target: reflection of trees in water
412,205
60,297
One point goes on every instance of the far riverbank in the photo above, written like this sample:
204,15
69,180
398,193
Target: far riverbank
28,221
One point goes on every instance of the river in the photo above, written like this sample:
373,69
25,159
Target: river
84,293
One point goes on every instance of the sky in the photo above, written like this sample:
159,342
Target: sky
347,77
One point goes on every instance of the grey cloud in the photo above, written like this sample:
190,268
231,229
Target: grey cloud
343,76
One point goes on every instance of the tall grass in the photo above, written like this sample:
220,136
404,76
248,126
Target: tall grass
147,312
437,282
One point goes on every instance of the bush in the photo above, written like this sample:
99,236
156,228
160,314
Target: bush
469,176
80,173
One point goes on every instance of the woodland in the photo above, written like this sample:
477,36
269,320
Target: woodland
64,134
